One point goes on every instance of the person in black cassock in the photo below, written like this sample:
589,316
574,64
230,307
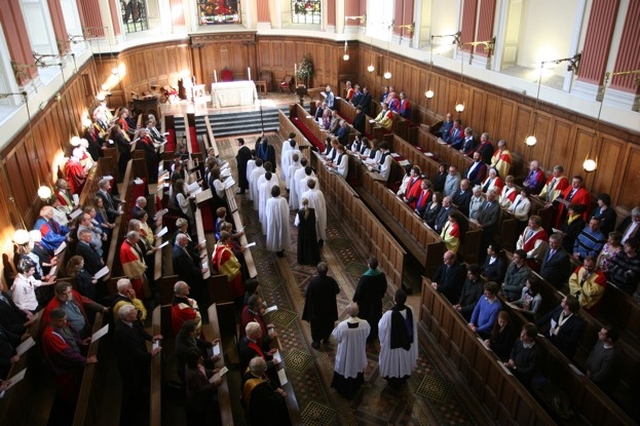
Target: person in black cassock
320,305
243,156
308,249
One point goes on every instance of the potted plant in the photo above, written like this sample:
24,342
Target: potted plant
305,70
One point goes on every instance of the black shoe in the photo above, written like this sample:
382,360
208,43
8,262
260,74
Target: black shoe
315,345
240,192
280,253
320,243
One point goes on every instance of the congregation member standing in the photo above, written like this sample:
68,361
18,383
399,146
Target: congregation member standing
351,354
242,158
320,308
398,342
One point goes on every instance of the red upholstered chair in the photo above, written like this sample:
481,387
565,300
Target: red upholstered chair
227,75
287,83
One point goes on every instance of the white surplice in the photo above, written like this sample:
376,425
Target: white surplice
396,362
351,354
253,185
277,224
264,190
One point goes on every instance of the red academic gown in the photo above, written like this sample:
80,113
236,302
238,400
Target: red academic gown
530,244
132,263
66,364
413,191
75,175
225,262
581,197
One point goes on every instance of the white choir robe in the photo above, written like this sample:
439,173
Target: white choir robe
342,168
253,185
287,160
303,187
351,354
385,168
251,164
403,185
264,190
317,202
396,362
291,176
284,157
277,224
294,189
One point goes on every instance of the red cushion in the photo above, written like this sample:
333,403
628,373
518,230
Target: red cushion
171,141
195,147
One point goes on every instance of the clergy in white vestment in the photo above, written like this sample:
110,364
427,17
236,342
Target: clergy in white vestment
251,164
256,173
294,189
285,157
295,165
386,159
277,223
318,203
341,164
264,191
398,342
351,354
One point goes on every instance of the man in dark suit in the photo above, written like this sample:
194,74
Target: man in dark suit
443,214
449,277
565,327
365,101
359,121
470,143
134,360
187,265
630,226
556,266
477,171
462,198
488,219
92,260
242,157
111,203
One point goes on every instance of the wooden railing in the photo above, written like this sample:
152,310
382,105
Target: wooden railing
92,387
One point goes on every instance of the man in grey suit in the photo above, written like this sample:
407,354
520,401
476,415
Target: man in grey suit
556,266
443,214
488,219
452,183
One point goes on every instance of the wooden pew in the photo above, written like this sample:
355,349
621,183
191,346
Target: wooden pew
290,400
422,241
286,126
590,404
506,399
376,239
315,134
622,311
211,139
91,389
155,413
212,332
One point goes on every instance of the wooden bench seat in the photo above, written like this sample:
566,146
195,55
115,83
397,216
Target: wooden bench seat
91,389
155,401
212,332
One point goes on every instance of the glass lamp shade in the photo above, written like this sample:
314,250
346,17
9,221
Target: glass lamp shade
371,68
345,57
21,236
459,107
429,94
531,140
387,75
44,192
589,165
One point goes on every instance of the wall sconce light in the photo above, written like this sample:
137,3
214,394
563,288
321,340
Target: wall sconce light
371,68
387,75
531,140
429,94
44,192
459,107
20,237
488,46
362,19
345,57
456,37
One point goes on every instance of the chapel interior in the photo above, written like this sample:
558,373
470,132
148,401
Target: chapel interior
559,81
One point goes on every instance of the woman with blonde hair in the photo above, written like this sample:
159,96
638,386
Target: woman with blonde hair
308,249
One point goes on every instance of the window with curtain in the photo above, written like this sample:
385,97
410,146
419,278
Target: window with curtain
306,12
216,12
134,15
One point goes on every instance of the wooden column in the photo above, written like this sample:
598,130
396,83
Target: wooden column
485,24
59,26
602,21
629,53
15,33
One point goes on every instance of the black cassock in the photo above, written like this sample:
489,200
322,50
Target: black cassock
308,250
243,156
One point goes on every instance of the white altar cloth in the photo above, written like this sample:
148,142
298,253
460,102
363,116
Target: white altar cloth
233,93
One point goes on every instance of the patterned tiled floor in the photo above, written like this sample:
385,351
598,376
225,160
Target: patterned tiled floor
429,398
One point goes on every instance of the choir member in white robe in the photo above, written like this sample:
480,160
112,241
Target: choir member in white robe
351,354
293,168
398,342
285,155
264,189
251,164
277,223
303,185
294,189
341,165
291,153
256,173
318,203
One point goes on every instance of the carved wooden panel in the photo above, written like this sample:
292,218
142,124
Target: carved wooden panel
629,179
611,152
582,143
